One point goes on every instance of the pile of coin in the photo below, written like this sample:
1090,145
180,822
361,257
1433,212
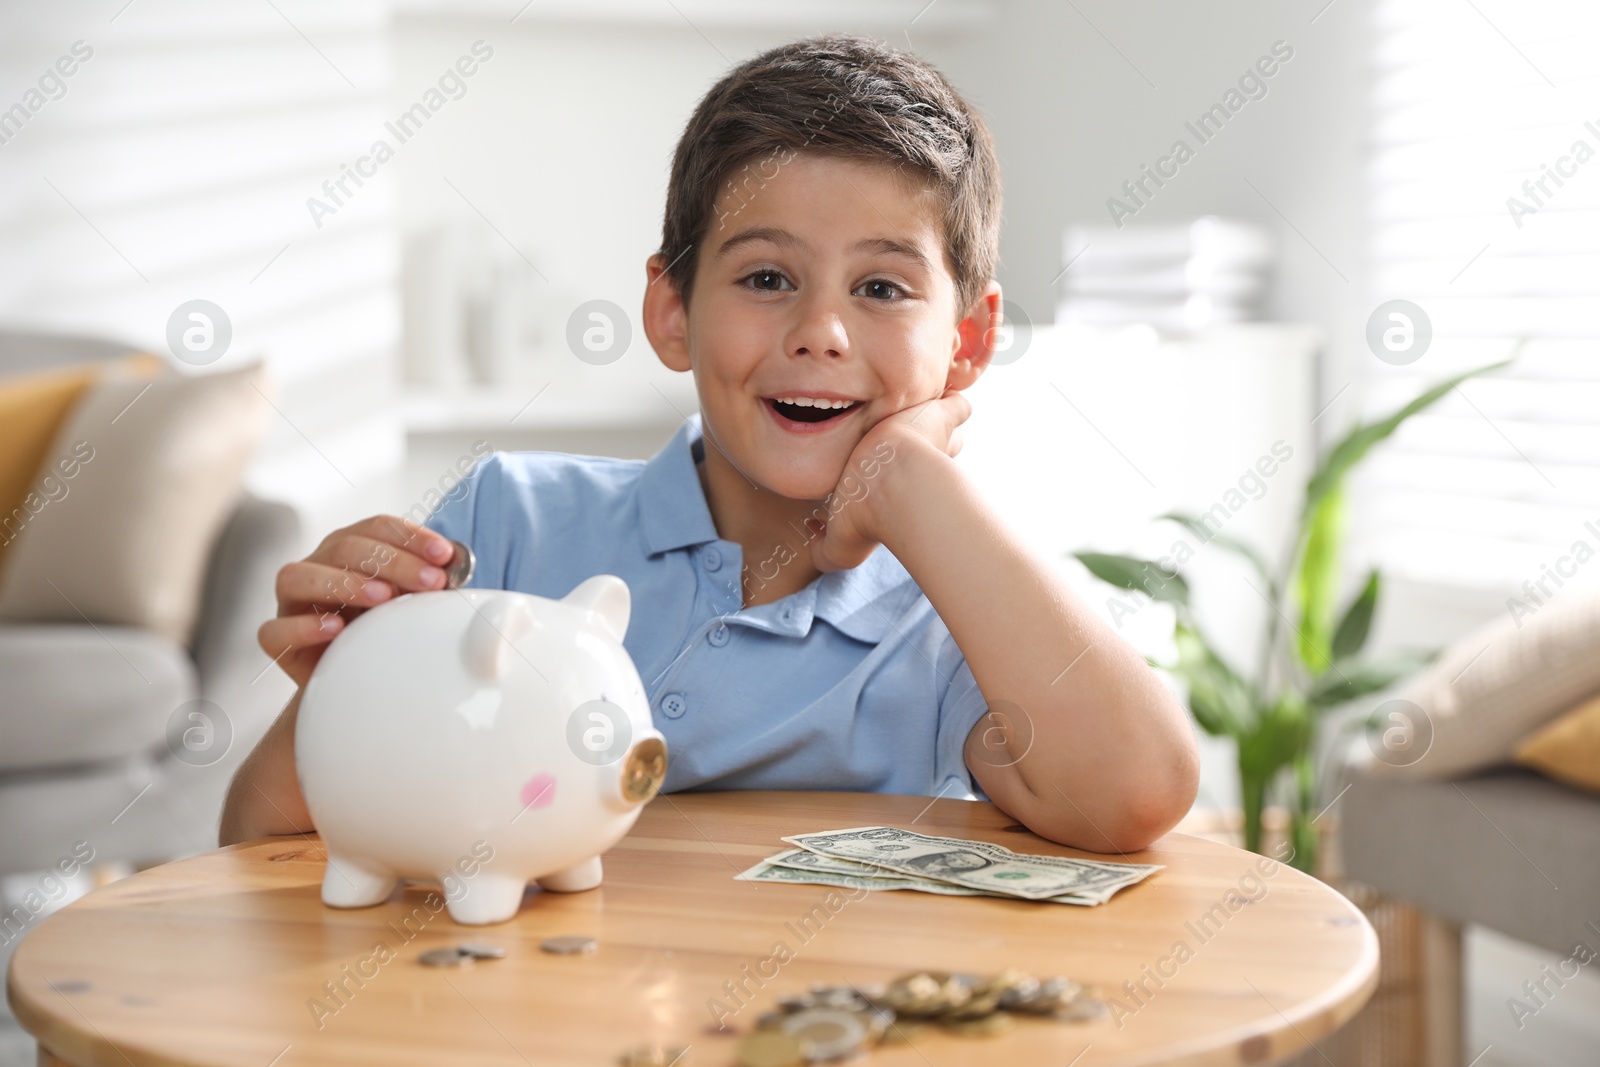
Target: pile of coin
835,1022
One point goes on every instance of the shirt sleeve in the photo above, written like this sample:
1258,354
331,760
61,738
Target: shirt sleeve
961,705
464,513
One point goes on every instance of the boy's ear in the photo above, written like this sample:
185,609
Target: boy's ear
976,336
666,319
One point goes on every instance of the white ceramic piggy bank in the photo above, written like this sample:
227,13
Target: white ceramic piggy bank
483,738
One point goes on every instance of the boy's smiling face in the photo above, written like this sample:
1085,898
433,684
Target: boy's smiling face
829,280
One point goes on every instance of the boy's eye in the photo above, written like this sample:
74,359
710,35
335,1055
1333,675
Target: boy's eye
767,280
878,289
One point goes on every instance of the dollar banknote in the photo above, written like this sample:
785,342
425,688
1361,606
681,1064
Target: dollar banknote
978,865
771,871
800,860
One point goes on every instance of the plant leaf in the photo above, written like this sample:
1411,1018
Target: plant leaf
1317,582
1352,632
1281,734
1348,452
1219,699
1137,574
1352,680
1233,544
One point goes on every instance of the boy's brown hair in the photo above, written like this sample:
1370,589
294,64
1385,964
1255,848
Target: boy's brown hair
845,96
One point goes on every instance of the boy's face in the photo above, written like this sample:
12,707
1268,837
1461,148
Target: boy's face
827,279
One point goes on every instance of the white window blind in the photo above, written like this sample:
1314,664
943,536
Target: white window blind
1472,98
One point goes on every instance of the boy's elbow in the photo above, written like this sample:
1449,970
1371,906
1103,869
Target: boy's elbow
1126,816
1156,806
1143,824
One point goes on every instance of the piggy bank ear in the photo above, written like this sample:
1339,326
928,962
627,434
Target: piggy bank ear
491,636
607,597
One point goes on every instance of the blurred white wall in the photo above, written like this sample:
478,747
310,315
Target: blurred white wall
176,164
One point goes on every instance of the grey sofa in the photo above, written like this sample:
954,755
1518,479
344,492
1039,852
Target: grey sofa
86,711
1507,848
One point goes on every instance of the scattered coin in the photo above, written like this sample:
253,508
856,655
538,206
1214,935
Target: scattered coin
839,996
833,1021
773,1048
444,957
1017,989
569,945
480,950
831,1033
656,1056
878,1021
458,572
977,1006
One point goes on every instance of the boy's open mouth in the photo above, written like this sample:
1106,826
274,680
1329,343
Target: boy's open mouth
808,413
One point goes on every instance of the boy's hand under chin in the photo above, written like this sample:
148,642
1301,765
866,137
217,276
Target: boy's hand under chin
860,524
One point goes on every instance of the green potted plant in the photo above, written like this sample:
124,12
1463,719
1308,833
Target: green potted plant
1273,717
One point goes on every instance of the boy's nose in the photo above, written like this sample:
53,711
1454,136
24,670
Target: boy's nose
818,330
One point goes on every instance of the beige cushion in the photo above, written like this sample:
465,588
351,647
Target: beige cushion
1502,682
33,408
129,534
1567,749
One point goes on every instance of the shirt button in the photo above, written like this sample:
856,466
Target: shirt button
674,705
720,635
712,558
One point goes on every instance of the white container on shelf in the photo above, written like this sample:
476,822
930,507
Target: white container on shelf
434,316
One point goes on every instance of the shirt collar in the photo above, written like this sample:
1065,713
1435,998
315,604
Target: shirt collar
672,503
673,513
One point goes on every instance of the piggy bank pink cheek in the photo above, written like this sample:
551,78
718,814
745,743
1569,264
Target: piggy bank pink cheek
539,790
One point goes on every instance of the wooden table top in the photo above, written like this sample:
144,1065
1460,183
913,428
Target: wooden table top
221,958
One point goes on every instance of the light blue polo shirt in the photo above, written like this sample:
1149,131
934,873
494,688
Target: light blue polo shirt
852,683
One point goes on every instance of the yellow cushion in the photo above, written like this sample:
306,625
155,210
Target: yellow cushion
32,408
1567,749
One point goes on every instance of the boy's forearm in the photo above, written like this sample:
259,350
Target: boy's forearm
1112,762
264,798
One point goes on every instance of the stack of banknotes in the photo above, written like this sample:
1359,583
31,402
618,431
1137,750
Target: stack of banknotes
885,857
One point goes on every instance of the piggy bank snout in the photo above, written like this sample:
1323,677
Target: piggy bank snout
644,768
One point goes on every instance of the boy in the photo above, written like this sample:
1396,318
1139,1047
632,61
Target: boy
821,600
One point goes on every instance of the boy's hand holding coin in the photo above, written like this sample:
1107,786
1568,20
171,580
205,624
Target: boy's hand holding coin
354,569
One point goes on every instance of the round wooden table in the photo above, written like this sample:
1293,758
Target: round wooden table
230,957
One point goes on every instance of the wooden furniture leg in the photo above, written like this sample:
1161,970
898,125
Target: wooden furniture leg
1440,990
